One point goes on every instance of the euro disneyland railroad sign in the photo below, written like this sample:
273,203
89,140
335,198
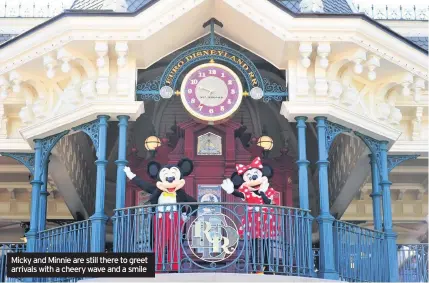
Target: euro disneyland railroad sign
211,79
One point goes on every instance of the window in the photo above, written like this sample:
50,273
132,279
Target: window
209,144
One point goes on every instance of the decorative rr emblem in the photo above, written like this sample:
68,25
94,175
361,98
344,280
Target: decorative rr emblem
213,237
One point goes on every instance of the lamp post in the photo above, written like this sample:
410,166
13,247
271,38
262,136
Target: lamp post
151,144
266,142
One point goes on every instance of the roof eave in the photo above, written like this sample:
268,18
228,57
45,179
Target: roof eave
91,13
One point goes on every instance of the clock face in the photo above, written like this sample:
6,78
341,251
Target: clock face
211,92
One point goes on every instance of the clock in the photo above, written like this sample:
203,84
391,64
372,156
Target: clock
211,92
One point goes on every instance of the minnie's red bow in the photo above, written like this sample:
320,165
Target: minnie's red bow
256,163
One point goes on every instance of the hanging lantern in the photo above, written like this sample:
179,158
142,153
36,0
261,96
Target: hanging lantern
266,142
152,143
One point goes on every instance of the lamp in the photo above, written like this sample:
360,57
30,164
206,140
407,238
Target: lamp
266,142
26,226
151,144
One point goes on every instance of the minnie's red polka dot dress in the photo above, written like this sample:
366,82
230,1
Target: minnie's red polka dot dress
261,220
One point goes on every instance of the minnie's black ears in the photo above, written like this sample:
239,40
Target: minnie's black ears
267,171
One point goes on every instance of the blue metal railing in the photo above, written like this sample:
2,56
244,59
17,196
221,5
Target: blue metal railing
413,263
316,265
70,238
5,249
75,237
359,253
223,237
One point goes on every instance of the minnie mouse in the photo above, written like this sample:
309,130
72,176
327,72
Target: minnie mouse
167,192
250,183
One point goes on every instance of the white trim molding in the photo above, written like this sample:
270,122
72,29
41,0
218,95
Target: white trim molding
407,147
337,114
81,115
283,26
14,145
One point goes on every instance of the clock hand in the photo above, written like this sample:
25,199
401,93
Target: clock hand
203,88
208,96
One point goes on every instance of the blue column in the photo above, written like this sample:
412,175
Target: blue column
302,163
325,219
43,198
121,162
303,191
98,220
35,197
120,174
387,215
376,193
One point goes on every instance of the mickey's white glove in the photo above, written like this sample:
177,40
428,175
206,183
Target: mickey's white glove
184,217
130,175
227,186
264,185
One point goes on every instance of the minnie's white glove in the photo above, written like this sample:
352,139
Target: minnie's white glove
184,217
130,175
264,186
227,186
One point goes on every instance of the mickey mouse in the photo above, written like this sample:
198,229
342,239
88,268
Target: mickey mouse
250,183
167,192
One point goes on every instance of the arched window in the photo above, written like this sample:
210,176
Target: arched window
209,144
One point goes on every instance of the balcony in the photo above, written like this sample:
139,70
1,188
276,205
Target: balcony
220,237
234,238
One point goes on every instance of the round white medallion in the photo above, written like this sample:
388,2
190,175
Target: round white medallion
256,93
166,92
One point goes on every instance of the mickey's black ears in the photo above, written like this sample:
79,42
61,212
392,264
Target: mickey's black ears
267,171
237,180
153,169
186,166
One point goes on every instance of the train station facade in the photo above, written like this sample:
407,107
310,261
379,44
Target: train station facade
332,100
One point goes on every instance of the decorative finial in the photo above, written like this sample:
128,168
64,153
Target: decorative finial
212,61
177,93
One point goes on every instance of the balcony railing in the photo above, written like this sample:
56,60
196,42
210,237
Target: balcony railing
359,253
70,238
395,12
223,237
234,238
413,263
5,249
32,9
316,261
